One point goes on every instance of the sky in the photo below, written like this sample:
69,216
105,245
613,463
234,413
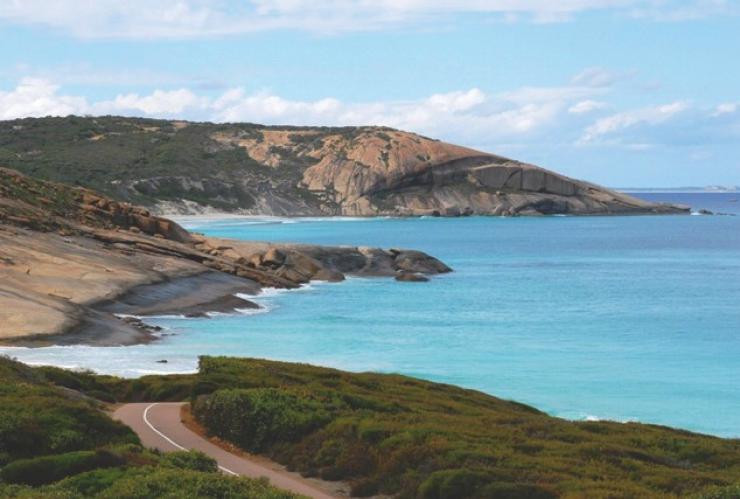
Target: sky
626,93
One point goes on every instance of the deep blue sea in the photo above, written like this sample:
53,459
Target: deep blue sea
622,318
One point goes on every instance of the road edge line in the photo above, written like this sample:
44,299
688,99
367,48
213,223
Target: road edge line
145,415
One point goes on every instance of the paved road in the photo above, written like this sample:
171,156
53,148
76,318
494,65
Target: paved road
159,426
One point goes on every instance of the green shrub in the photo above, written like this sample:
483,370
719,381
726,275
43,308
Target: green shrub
190,460
24,492
256,419
168,483
46,434
731,492
514,491
453,484
149,482
48,469
38,419
395,435
384,434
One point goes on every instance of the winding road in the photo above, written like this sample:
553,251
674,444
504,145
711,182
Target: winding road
159,426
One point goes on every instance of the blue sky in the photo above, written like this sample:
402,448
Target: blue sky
620,92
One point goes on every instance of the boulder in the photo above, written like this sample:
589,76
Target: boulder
293,275
231,254
404,276
273,258
255,260
417,261
303,263
328,275
378,262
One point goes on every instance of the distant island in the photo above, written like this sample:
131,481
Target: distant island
180,167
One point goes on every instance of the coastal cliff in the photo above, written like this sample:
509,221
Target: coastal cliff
188,168
74,264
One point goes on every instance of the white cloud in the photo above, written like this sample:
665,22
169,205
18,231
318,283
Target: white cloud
158,103
199,18
468,116
685,11
36,97
594,77
586,106
725,108
524,119
654,115
457,101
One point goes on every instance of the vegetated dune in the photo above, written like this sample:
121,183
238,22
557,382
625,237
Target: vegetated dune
183,167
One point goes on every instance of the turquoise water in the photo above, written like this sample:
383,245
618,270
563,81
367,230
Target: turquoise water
623,318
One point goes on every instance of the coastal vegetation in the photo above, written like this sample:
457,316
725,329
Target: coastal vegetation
56,442
390,434
381,433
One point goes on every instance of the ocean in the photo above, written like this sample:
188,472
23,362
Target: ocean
633,318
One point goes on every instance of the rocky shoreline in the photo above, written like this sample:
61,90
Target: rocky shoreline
121,321
74,266
170,286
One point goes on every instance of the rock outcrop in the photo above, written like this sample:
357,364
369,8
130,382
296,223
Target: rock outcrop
70,259
51,206
178,167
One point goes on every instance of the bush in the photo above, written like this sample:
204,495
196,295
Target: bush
46,437
515,491
48,469
190,460
257,418
168,483
461,483
731,492
149,482
453,484
37,420
399,436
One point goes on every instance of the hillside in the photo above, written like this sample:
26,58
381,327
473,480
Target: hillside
185,167
403,437
58,443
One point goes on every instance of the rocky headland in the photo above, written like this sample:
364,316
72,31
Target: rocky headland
75,265
177,167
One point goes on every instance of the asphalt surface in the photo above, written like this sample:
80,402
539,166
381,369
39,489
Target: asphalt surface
159,426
